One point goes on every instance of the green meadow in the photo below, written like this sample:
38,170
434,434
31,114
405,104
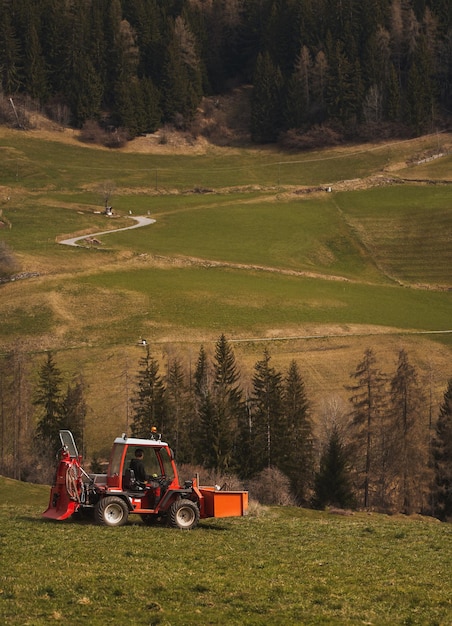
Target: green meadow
278,565
246,242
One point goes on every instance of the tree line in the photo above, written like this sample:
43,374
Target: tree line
387,451
347,67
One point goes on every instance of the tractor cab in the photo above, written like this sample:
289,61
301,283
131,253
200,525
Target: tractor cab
157,459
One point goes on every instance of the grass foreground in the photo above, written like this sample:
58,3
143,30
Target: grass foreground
284,565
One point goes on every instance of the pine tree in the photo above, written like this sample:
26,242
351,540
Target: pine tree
299,91
344,92
332,482
84,86
48,400
266,414
180,409
368,404
409,438
182,77
201,376
34,70
420,90
220,408
55,41
442,458
73,412
9,54
228,399
149,401
266,119
296,437
151,106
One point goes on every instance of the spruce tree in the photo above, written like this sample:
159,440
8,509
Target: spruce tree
332,482
149,407
266,414
9,54
220,408
296,437
48,400
34,70
266,118
73,412
368,410
298,98
180,409
228,399
409,437
442,458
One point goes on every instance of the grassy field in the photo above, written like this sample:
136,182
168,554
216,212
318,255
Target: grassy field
245,243
281,566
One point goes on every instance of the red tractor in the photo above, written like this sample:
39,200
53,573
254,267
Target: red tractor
113,496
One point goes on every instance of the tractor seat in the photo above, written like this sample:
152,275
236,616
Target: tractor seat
129,482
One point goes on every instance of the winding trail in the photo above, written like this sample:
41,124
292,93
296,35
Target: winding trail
140,221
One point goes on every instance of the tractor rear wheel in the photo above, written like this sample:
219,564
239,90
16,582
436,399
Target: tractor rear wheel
183,514
111,511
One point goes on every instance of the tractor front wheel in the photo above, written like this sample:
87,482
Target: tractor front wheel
111,511
183,514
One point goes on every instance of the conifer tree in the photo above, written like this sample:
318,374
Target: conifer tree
332,482
73,412
244,450
299,91
408,437
149,401
34,70
228,399
420,90
368,411
343,86
180,422
442,458
296,437
201,376
266,119
9,54
182,76
220,408
266,415
48,400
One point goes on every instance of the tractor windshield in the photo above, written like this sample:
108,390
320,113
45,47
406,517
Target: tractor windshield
68,443
168,469
156,460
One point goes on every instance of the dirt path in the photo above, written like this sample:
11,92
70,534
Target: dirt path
140,221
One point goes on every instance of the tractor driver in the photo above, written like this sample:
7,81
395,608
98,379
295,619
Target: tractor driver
137,465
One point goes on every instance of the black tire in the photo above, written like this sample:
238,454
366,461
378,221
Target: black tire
111,511
183,514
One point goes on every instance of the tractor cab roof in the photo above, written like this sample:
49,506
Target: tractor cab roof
132,441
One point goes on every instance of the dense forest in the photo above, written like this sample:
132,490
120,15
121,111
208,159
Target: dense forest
330,68
388,450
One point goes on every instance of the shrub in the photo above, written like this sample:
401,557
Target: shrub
271,487
316,137
229,482
8,262
92,132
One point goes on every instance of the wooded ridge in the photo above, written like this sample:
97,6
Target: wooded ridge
351,68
